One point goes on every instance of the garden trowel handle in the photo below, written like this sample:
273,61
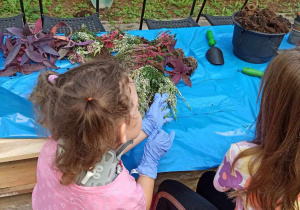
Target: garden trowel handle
252,72
210,37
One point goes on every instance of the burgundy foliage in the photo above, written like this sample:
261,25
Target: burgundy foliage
27,50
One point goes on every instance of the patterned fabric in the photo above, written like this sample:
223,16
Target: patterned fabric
240,178
122,193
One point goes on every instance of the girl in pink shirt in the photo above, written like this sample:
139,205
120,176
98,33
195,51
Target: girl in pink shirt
92,111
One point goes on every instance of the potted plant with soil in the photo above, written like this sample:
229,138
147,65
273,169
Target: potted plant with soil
258,33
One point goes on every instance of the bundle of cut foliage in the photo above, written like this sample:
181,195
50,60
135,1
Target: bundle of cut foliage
158,53
149,81
27,50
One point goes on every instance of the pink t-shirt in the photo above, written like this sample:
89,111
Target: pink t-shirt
122,193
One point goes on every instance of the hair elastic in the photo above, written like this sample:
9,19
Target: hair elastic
52,78
89,99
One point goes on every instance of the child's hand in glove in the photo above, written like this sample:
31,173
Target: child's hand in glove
155,148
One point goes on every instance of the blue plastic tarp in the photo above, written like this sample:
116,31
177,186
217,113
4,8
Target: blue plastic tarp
223,102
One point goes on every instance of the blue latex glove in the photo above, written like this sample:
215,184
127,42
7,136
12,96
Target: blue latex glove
155,116
155,148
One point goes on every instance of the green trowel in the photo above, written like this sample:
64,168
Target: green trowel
214,55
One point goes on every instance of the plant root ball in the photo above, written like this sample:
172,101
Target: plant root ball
190,62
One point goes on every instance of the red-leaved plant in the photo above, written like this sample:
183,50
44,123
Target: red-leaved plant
180,70
154,53
109,39
168,42
28,50
149,55
165,39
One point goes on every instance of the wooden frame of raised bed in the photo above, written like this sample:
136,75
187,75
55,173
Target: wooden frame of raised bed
18,160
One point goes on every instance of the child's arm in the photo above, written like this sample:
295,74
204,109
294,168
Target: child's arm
219,177
136,141
155,148
227,177
147,184
154,119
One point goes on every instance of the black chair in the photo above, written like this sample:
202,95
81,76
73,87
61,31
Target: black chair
15,21
156,24
91,22
217,20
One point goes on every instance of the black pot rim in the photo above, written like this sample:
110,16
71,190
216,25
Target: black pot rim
261,33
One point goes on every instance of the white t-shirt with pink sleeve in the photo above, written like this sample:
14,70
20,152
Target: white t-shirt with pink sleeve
238,177
122,193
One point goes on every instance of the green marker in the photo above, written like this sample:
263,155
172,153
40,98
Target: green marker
252,72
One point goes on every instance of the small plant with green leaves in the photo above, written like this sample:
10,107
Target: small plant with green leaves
81,54
149,81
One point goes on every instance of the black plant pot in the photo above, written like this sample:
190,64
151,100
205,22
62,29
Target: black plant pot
254,47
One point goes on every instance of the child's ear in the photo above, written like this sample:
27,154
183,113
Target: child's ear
122,134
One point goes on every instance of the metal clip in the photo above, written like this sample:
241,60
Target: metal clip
88,175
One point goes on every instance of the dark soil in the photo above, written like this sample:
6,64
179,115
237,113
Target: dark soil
104,54
266,21
83,13
145,41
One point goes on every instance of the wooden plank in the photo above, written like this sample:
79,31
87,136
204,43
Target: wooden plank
18,202
20,149
16,190
17,177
